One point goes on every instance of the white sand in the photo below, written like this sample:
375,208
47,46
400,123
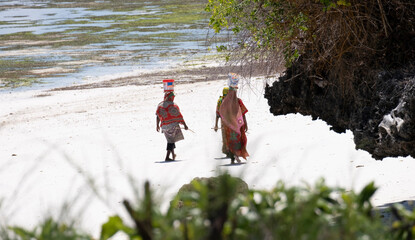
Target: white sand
51,146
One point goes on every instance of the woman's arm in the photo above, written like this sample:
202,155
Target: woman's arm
246,123
185,125
216,123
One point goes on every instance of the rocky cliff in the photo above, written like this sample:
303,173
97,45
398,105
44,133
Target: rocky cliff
381,115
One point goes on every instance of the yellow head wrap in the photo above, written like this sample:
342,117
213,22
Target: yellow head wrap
225,91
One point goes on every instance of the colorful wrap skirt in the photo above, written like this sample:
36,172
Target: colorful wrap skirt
172,132
234,142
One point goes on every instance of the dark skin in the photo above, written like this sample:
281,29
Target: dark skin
168,151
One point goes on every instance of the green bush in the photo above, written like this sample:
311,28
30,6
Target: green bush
223,207
215,209
49,229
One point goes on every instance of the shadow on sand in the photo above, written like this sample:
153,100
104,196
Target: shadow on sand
233,164
169,161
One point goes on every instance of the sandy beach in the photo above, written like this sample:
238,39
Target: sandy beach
89,147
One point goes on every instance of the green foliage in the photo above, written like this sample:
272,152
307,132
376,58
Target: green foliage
221,48
404,226
279,27
149,223
334,40
223,208
49,229
112,226
270,25
329,4
317,212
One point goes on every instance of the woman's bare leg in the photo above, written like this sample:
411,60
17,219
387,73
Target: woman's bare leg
167,155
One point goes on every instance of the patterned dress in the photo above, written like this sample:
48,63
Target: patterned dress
169,114
236,143
225,149
232,111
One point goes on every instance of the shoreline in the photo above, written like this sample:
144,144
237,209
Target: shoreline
180,74
210,71
198,72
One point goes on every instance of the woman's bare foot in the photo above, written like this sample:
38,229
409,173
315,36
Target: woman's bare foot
174,156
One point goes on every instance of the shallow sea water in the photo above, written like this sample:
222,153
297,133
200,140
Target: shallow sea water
109,37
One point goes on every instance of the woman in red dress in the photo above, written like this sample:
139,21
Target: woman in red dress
169,118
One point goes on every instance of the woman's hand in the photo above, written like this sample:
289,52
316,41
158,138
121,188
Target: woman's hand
157,124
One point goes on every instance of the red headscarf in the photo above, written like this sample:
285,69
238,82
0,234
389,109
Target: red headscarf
167,111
